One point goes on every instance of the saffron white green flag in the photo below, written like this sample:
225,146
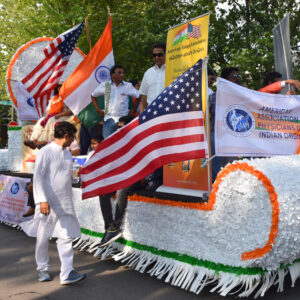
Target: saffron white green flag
251,123
94,69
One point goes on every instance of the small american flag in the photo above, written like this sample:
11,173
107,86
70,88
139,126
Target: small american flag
169,130
194,31
42,80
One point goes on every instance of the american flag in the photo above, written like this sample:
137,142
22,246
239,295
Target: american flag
194,31
42,80
169,130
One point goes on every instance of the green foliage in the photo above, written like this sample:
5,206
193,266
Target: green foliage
240,31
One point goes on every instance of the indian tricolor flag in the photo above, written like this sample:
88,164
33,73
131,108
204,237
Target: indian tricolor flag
94,69
181,34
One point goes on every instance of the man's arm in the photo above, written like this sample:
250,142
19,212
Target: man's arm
66,113
99,91
272,88
98,110
279,85
135,105
143,103
294,83
40,185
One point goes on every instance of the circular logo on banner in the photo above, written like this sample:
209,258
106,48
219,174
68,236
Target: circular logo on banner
102,74
239,121
14,188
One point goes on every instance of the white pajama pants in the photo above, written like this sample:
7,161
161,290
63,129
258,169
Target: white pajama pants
65,252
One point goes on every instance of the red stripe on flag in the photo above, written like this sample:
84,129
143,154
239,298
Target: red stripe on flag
150,168
53,79
137,138
35,70
141,154
42,75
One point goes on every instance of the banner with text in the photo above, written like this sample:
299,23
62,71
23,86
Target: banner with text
251,123
13,198
186,44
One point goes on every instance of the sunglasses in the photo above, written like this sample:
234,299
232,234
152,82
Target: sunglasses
158,54
236,76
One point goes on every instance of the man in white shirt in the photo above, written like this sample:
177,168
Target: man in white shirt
55,212
153,81
116,97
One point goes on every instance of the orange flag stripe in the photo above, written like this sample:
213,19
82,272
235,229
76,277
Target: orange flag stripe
88,65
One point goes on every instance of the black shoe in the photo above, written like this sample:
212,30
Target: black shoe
109,237
29,213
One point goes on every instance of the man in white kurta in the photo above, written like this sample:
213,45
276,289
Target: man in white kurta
55,214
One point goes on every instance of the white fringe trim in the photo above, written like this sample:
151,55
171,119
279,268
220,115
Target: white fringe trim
188,277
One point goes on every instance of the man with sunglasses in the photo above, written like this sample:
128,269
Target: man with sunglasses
153,81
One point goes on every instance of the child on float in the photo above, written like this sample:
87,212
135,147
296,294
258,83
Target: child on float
112,224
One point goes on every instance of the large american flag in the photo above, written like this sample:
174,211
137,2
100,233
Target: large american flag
169,130
42,80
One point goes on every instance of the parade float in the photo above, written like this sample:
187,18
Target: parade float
243,239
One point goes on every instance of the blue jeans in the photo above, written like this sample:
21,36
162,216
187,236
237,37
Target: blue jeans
109,126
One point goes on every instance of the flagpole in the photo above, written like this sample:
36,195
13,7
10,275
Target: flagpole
284,52
88,32
208,166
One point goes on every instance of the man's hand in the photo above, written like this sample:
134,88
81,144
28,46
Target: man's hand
101,113
293,82
78,171
98,110
45,208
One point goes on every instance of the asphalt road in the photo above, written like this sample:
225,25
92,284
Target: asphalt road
106,279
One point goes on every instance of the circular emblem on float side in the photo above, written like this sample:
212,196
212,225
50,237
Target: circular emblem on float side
102,74
14,188
238,120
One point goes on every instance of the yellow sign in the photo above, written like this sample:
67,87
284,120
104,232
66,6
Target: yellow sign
186,44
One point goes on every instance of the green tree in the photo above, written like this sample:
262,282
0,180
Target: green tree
240,31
